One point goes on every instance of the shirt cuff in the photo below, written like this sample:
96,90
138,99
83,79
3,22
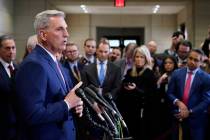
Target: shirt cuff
174,102
190,111
68,105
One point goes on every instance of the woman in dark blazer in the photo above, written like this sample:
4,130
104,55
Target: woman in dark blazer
135,100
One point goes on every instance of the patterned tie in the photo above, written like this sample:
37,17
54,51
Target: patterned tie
60,72
76,73
187,88
101,73
11,70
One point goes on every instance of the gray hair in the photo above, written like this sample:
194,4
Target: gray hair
5,37
32,41
42,19
144,51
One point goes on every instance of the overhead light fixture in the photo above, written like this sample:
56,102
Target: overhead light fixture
83,7
119,3
156,9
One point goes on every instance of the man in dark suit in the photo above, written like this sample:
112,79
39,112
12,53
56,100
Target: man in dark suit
89,50
7,67
189,92
107,80
44,99
71,63
91,73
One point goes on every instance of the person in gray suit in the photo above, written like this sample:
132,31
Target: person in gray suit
126,62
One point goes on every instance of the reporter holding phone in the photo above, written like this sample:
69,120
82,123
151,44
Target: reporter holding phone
135,100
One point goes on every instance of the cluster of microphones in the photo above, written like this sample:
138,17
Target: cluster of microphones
106,110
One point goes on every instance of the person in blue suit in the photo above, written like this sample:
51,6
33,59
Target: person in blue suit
44,100
190,109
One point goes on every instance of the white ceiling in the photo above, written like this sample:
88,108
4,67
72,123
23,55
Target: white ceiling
129,9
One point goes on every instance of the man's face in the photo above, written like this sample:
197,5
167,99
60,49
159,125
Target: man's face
90,48
194,60
115,55
72,53
152,47
8,50
102,52
183,51
55,36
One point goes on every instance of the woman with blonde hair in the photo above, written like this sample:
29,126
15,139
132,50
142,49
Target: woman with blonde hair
136,98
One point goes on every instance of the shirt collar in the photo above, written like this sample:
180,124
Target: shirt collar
51,55
5,64
91,58
72,64
98,62
193,72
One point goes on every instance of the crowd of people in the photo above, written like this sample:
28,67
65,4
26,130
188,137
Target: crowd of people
160,96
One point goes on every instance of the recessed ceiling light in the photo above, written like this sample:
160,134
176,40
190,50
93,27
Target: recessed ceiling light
82,6
156,8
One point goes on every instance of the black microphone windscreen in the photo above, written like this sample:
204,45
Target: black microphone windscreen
94,88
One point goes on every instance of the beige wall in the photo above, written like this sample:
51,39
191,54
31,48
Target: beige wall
6,17
24,12
157,27
201,20
186,16
78,28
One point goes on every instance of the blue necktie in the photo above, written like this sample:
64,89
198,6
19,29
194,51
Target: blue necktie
101,73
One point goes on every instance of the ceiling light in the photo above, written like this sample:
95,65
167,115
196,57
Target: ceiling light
156,8
82,6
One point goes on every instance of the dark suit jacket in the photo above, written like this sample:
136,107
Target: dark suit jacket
112,78
7,117
42,111
73,78
199,98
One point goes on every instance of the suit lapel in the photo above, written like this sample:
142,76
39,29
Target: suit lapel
108,72
182,81
52,64
194,83
3,71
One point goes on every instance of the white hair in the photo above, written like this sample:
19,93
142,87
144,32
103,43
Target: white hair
42,19
32,41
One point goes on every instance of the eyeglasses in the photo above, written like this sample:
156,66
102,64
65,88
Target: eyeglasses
73,51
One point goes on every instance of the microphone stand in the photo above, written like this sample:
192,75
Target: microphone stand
120,121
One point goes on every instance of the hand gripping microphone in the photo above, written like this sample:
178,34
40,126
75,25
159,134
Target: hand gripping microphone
80,93
91,93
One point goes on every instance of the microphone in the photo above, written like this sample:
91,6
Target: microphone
96,90
80,93
91,93
109,96
102,114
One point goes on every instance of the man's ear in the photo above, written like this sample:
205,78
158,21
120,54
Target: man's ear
43,35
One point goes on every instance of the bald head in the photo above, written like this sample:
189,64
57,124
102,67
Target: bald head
152,46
